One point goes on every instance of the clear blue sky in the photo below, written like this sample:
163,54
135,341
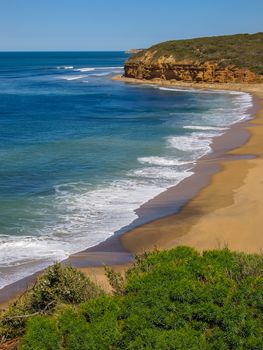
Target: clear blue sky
120,24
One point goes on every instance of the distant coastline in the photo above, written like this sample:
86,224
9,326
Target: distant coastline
133,51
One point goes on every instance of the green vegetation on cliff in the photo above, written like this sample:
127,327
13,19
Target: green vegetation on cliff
177,299
240,50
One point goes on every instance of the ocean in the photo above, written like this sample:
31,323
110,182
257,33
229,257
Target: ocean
80,152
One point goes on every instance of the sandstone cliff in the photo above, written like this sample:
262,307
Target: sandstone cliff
206,72
237,58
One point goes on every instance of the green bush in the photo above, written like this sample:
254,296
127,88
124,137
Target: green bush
102,316
175,299
72,329
58,284
41,335
61,284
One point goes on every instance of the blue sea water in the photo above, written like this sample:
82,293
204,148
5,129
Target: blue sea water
80,152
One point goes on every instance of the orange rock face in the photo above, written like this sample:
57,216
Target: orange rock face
190,72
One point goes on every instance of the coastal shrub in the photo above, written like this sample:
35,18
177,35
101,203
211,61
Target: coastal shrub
58,284
177,299
102,316
41,335
92,326
72,329
116,281
12,321
63,284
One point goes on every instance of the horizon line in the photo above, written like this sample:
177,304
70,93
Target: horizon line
8,51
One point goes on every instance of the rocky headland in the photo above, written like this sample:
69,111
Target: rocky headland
223,59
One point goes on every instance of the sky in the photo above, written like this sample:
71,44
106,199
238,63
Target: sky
91,25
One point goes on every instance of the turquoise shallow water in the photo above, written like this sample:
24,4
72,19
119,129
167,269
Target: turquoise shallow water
79,152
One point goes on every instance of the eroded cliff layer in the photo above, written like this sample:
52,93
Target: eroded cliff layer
207,72
235,58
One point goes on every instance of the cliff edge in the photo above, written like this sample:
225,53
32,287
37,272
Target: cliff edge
222,59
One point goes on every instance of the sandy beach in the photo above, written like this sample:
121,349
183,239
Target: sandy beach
228,212
225,213
220,205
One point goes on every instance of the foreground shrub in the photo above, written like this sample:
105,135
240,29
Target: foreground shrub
58,284
175,299
61,283
91,326
41,335
102,316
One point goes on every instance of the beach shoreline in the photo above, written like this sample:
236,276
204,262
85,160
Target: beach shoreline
118,250
252,88
227,212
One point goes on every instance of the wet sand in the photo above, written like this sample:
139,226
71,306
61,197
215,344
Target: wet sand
219,205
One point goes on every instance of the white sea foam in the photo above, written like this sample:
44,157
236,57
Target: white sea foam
197,144
221,117
162,161
192,90
108,68
73,77
65,67
204,127
201,91
40,247
90,69
161,173
173,89
84,218
84,69
100,74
